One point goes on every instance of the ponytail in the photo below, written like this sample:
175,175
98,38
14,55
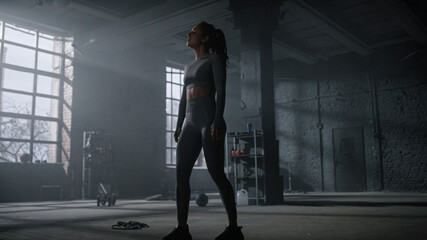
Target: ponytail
220,47
216,41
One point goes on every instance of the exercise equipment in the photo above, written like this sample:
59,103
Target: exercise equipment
131,225
105,195
98,171
202,199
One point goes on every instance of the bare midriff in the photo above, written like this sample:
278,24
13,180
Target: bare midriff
196,92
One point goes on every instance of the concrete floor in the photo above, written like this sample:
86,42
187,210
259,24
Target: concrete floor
303,216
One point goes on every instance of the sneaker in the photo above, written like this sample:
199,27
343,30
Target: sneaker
231,233
179,233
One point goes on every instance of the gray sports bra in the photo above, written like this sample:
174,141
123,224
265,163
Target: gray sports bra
199,73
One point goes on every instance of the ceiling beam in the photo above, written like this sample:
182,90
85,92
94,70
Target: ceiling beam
155,23
291,52
314,17
392,41
139,20
405,18
95,10
41,23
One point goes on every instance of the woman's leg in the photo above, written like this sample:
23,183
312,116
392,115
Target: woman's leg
187,151
214,154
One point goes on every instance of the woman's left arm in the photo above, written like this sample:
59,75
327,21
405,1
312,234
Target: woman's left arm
219,76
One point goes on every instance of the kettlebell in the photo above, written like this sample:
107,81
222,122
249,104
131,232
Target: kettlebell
202,199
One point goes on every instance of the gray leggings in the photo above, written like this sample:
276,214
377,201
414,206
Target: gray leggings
195,134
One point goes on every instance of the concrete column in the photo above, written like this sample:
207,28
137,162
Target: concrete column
256,20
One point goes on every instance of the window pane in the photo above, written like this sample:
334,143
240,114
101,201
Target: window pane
176,78
16,128
49,62
45,130
173,143
174,120
168,123
10,151
46,41
1,30
19,35
168,156
175,107
168,90
16,103
19,56
47,85
168,139
181,77
17,80
168,106
175,91
44,152
50,43
173,156
46,107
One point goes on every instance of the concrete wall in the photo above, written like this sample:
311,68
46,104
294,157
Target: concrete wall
345,97
32,182
129,106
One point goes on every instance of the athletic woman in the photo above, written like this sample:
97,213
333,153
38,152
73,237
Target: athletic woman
204,127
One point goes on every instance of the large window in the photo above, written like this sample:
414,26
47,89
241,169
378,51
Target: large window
35,94
174,88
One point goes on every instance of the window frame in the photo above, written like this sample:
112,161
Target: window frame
171,163
61,101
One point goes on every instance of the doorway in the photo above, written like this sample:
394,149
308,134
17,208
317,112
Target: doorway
349,159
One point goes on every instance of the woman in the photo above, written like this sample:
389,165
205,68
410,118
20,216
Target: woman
204,126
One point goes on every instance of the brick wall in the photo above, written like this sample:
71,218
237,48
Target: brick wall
402,102
67,116
345,97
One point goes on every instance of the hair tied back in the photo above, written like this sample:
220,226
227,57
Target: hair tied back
216,41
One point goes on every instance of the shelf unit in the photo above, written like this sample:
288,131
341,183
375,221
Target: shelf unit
247,171
97,162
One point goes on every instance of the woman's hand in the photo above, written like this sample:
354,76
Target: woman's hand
218,129
176,134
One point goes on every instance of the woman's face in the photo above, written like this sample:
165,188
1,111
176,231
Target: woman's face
194,38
